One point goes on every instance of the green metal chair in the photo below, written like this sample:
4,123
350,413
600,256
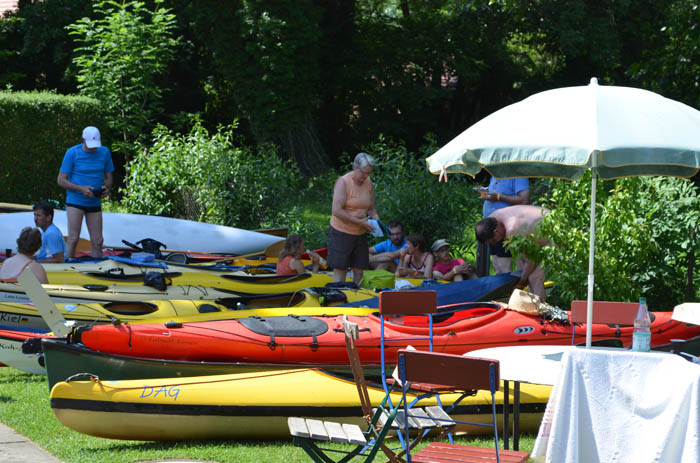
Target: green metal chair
310,434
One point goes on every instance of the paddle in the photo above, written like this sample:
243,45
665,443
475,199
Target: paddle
40,298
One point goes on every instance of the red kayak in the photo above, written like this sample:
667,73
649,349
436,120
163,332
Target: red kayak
320,339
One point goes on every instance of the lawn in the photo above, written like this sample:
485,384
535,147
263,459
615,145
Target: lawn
24,406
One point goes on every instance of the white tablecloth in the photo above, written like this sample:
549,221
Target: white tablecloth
622,406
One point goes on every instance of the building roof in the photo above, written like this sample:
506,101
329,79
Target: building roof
7,5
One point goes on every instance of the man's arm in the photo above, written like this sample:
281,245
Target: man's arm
523,197
527,269
63,182
108,180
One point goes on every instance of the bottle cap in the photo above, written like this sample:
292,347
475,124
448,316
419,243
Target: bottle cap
642,300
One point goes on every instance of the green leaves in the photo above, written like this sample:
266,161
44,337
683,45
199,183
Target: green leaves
208,177
643,238
120,57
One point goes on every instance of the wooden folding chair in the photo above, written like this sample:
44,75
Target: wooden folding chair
464,373
307,433
395,303
408,303
610,313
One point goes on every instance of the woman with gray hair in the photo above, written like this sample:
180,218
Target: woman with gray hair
353,206
28,243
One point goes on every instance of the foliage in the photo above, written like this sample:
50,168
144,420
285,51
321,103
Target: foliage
643,238
207,177
37,128
673,66
120,57
406,191
35,48
270,79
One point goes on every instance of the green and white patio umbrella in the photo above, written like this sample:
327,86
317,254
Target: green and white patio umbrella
614,131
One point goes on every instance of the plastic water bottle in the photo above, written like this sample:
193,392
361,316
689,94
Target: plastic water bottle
641,336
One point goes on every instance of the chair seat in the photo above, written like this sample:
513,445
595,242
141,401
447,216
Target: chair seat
438,452
326,431
430,387
420,418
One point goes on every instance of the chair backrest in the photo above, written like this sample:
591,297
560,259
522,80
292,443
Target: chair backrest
611,313
458,371
407,302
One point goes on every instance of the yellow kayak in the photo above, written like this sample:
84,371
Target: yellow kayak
26,317
242,405
110,271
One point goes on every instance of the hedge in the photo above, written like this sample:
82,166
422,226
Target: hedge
36,128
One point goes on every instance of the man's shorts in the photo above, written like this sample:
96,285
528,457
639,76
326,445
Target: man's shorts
86,209
499,250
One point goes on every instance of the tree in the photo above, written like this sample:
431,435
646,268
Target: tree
35,47
121,56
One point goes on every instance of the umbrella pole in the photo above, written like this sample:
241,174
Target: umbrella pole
591,249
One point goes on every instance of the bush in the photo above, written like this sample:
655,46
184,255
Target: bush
207,177
36,128
644,229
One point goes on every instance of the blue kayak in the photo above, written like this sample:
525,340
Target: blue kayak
478,289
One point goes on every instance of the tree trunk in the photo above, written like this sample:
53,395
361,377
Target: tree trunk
689,290
302,144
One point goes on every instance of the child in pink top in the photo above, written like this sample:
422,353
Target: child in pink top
290,257
446,268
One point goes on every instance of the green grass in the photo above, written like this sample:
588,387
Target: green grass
24,406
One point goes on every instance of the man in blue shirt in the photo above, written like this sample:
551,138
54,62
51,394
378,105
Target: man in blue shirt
86,174
385,255
499,194
53,247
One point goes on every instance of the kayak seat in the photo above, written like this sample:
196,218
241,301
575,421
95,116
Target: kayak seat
208,308
179,257
268,278
289,326
131,308
466,311
252,301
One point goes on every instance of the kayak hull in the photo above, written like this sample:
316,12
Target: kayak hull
177,234
12,355
241,406
320,339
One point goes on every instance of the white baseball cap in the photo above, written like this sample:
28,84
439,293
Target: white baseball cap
92,137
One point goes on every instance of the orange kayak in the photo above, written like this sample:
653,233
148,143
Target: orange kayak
319,340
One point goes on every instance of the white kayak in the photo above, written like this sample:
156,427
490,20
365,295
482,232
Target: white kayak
176,234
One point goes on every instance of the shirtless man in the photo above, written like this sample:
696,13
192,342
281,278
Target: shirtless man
511,221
